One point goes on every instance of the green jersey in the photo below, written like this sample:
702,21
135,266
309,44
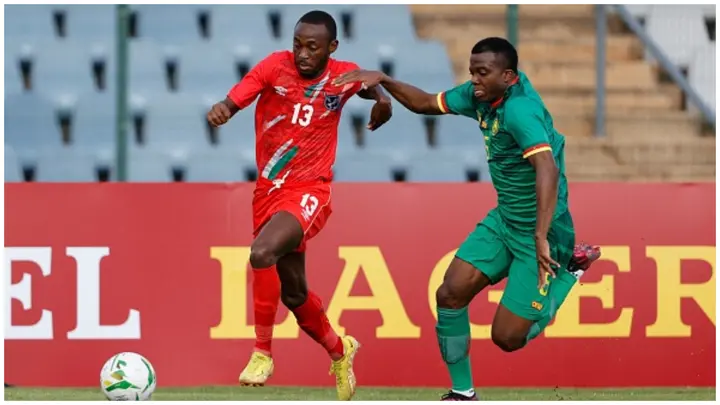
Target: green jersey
515,128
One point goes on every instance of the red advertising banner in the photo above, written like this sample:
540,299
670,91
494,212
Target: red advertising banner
162,270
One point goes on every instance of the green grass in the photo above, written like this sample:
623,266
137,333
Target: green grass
370,394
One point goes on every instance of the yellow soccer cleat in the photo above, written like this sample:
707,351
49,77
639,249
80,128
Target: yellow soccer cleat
343,369
258,370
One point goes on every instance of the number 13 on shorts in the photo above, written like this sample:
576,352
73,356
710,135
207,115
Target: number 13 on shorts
309,204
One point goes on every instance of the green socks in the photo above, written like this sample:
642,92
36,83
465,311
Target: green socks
453,333
560,287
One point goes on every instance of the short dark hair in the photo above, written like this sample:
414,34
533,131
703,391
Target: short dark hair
318,17
499,46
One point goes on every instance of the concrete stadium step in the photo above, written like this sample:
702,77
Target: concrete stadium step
583,103
635,125
620,48
685,152
469,32
618,76
607,159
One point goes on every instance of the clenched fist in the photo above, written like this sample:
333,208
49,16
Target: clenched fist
219,114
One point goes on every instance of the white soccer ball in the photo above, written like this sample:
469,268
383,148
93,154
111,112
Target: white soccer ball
128,377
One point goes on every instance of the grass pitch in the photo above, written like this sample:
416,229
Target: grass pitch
370,394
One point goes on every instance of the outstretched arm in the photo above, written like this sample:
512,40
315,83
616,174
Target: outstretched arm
243,93
458,100
409,96
413,98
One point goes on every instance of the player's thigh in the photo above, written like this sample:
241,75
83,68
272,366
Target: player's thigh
461,283
311,208
485,249
279,235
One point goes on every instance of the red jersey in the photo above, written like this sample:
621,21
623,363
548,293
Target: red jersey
296,120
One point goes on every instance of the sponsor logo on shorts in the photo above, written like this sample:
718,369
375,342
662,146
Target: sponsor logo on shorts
537,305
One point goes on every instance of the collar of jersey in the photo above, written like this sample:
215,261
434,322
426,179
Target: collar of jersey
495,104
318,78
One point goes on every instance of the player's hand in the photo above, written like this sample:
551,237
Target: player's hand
545,262
218,114
369,78
380,114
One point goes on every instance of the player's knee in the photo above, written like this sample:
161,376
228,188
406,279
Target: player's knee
448,297
507,341
293,299
262,257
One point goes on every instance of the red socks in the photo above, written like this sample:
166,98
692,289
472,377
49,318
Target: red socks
310,316
266,298
312,320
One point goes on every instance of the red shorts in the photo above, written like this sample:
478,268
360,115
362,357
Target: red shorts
308,203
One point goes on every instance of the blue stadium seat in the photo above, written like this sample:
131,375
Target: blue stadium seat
404,132
243,23
66,66
69,165
206,70
437,167
175,120
93,125
155,165
29,21
423,63
346,134
91,22
380,24
147,67
457,131
366,57
169,24
31,123
13,169
218,166
14,51
239,132
364,167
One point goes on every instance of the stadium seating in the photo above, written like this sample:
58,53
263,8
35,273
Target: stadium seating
678,30
32,124
365,167
13,168
61,87
71,165
440,167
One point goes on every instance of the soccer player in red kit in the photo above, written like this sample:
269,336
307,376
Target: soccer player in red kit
296,121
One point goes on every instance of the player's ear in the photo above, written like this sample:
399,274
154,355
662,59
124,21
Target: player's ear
333,46
508,76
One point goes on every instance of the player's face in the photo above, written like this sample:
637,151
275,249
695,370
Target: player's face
489,75
312,48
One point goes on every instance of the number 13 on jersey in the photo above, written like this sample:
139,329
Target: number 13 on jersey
302,114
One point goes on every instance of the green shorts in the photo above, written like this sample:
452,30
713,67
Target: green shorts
499,251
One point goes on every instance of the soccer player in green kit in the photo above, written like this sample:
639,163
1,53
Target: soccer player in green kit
529,237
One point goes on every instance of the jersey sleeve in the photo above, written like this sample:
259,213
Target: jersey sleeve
459,100
254,82
525,121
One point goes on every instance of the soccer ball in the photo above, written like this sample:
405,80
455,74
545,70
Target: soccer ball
128,377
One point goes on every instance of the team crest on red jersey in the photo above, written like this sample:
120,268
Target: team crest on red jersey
332,102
